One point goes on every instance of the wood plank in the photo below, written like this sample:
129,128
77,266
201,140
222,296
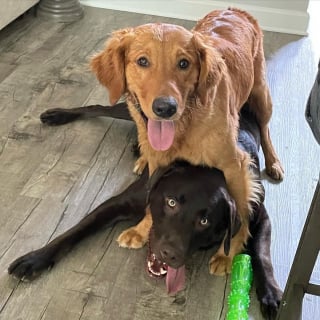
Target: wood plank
66,304
6,69
15,31
19,236
13,219
50,50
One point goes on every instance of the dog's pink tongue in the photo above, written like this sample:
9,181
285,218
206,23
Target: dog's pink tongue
175,279
160,134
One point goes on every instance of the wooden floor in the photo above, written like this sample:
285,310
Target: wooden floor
50,177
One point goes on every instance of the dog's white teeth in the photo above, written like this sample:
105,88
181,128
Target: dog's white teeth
151,270
163,271
150,267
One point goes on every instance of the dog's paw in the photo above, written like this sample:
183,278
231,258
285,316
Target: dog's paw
139,165
220,265
269,298
30,265
57,116
275,171
132,239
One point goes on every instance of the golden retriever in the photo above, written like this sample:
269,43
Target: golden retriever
184,90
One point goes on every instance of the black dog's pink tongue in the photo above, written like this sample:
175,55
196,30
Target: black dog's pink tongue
161,134
175,279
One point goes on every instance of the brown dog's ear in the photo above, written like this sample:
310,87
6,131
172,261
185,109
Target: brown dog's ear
211,66
109,65
233,221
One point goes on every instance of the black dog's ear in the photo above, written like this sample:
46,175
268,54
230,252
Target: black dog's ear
233,220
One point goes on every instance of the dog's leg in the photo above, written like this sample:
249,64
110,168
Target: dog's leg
261,105
139,165
58,116
243,186
244,189
129,205
220,264
268,291
260,97
136,237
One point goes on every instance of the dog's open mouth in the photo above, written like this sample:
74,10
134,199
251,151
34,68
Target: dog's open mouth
175,278
155,267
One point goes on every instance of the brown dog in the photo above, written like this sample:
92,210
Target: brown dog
184,90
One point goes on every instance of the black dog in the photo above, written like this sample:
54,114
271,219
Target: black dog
191,209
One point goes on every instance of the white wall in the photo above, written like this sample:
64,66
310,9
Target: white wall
299,5
287,16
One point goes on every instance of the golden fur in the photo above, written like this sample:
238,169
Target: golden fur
226,68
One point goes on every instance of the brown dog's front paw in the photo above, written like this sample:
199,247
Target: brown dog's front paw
132,239
139,165
220,265
275,171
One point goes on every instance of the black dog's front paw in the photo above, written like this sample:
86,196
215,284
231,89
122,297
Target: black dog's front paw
57,116
30,265
270,300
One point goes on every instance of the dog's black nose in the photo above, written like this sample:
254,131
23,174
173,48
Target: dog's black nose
165,107
169,256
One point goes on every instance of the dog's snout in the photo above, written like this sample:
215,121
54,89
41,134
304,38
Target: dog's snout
168,254
165,107
171,257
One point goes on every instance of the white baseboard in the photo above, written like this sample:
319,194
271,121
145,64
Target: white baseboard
270,19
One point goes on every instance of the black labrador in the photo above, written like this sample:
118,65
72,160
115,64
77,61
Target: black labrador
191,209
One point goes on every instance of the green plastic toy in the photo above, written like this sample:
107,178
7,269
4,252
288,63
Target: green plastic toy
241,280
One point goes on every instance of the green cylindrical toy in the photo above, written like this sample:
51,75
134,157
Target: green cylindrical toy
239,296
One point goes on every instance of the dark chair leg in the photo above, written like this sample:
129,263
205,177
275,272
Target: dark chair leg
303,264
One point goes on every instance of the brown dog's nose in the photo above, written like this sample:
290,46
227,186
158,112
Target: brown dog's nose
165,107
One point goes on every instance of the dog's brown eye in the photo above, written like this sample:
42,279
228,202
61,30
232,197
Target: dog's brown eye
171,203
143,62
204,221
183,64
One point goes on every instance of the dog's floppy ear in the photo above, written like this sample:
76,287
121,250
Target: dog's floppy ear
211,66
109,65
233,220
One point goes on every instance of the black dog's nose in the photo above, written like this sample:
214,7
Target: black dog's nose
168,255
165,107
